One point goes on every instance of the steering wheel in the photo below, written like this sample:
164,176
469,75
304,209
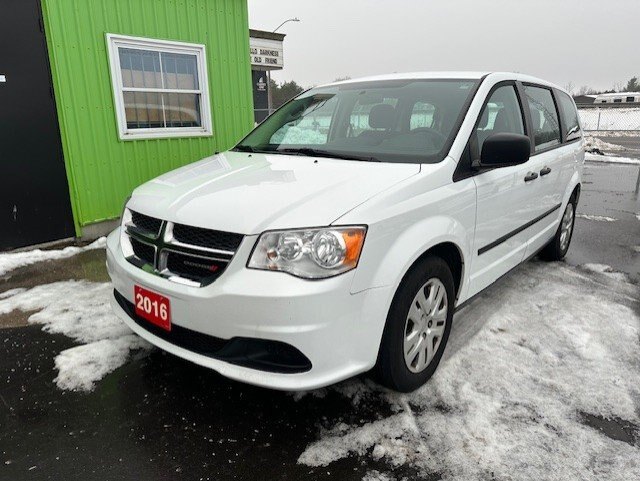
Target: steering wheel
436,136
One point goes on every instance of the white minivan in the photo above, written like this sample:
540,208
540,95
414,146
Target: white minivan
341,234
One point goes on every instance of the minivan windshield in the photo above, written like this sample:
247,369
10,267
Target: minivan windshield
408,121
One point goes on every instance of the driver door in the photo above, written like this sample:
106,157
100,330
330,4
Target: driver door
503,196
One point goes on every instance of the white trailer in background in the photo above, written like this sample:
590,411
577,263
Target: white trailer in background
616,98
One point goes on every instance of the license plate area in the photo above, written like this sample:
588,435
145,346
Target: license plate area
153,307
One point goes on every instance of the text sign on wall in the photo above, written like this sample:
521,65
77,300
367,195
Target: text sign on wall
266,54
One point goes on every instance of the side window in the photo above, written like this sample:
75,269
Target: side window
422,115
546,128
569,116
501,114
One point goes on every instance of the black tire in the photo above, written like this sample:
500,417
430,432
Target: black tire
554,250
391,369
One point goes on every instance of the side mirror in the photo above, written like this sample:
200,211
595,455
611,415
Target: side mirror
504,150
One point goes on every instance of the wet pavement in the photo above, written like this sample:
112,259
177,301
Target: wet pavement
609,191
159,417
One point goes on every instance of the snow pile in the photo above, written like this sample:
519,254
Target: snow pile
598,146
598,218
606,270
525,362
13,260
80,310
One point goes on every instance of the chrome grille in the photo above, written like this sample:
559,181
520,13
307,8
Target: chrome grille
180,253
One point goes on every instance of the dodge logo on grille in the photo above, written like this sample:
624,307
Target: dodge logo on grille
209,267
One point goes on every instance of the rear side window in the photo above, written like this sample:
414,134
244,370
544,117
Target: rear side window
569,116
501,114
546,128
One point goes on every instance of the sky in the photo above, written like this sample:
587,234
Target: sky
577,41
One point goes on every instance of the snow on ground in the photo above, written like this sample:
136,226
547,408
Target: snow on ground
80,310
526,361
13,260
606,270
609,159
594,143
599,218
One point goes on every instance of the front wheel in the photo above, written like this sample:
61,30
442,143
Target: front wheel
418,326
557,248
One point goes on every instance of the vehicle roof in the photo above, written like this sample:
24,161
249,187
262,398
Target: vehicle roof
497,76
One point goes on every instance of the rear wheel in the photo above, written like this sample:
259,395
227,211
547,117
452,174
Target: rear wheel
559,245
418,326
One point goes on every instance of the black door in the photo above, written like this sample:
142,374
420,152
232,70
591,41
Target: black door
34,195
260,95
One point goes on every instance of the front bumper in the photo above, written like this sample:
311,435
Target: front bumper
338,332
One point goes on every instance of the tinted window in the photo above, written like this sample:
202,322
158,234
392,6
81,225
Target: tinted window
617,101
546,128
388,121
569,116
630,99
501,114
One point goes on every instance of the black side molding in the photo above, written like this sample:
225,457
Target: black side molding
508,236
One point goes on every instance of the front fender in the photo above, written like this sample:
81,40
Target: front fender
392,248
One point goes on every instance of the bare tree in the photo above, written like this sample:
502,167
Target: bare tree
569,87
585,90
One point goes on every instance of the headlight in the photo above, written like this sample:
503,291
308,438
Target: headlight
309,253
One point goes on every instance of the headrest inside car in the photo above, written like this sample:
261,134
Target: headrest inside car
382,116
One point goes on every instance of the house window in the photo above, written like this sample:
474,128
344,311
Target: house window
630,99
160,88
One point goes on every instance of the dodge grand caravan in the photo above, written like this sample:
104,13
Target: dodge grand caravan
344,231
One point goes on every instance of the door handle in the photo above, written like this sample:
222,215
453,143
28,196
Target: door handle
531,176
545,170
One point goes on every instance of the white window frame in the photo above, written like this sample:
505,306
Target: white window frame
114,42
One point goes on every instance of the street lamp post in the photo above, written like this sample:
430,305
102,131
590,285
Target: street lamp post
269,98
294,19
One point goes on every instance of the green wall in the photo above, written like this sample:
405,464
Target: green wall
102,169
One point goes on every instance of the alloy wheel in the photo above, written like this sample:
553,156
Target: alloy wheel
566,227
425,325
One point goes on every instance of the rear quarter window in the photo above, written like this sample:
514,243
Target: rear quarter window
569,116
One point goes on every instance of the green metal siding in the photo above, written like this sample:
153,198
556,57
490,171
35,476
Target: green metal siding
102,169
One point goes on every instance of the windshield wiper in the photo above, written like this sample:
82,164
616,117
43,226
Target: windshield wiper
311,152
243,148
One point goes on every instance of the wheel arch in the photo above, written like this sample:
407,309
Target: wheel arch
450,253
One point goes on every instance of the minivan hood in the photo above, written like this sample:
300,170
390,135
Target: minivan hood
249,193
